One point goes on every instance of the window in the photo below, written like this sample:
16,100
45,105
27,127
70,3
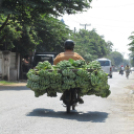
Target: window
104,63
42,59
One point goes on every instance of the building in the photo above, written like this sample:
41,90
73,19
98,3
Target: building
9,65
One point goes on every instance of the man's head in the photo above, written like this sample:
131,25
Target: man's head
69,45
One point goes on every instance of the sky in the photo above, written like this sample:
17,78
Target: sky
114,19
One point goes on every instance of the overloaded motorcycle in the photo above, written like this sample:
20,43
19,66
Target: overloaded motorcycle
70,98
72,82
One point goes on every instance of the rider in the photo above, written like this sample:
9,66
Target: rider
121,69
127,69
68,54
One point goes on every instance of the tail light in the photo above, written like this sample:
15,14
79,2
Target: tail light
110,68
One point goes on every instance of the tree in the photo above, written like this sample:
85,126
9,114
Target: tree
52,36
109,45
89,44
32,13
132,58
116,58
32,10
125,62
131,45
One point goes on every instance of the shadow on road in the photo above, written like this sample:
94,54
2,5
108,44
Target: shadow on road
16,88
93,116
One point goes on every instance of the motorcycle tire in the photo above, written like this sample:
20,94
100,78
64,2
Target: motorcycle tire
73,107
68,107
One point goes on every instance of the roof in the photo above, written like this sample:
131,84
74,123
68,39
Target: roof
103,59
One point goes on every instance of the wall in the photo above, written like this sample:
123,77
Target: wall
10,66
1,57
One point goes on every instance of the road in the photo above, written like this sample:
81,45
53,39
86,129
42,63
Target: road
22,113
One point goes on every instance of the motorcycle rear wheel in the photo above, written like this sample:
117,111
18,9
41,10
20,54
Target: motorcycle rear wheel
68,107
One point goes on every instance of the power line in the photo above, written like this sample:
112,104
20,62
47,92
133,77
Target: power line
84,19
101,25
99,18
85,25
114,6
110,19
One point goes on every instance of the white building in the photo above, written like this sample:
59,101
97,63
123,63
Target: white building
9,65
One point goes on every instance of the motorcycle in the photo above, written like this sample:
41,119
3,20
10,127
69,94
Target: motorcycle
121,72
70,98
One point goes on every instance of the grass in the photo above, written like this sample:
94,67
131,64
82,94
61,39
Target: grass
6,82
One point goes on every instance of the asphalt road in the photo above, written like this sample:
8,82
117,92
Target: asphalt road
22,113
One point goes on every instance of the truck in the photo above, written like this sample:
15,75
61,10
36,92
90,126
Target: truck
43,56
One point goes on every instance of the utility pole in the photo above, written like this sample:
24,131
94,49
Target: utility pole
85,25
74,29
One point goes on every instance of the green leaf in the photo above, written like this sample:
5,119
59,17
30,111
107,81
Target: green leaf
71,61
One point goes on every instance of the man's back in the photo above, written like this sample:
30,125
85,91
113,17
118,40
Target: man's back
127,68
66,56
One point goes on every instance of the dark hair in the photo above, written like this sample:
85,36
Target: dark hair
69,45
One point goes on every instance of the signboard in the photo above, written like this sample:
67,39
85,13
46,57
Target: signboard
49,55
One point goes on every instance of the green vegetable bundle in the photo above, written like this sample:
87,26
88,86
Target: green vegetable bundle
88,78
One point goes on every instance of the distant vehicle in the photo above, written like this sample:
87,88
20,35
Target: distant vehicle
106,66
115,69
44,56
132,69
121,70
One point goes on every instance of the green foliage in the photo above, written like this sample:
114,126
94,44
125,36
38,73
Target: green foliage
116,58
132,59
77,64
132,63
55,7
52,35
125,62
89,44
109,46
37,23
51,81
10,33
43,65
131,44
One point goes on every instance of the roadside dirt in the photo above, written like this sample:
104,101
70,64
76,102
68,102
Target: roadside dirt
14,84
126,103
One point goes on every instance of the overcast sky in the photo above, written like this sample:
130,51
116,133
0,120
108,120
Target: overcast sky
114,19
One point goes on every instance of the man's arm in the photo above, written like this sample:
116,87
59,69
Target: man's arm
57,59
79,57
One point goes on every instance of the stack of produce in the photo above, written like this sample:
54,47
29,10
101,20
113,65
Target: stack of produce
88,78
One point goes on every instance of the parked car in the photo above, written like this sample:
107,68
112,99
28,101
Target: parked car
106,66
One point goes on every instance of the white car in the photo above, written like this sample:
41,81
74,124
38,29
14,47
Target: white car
132,69
106,66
